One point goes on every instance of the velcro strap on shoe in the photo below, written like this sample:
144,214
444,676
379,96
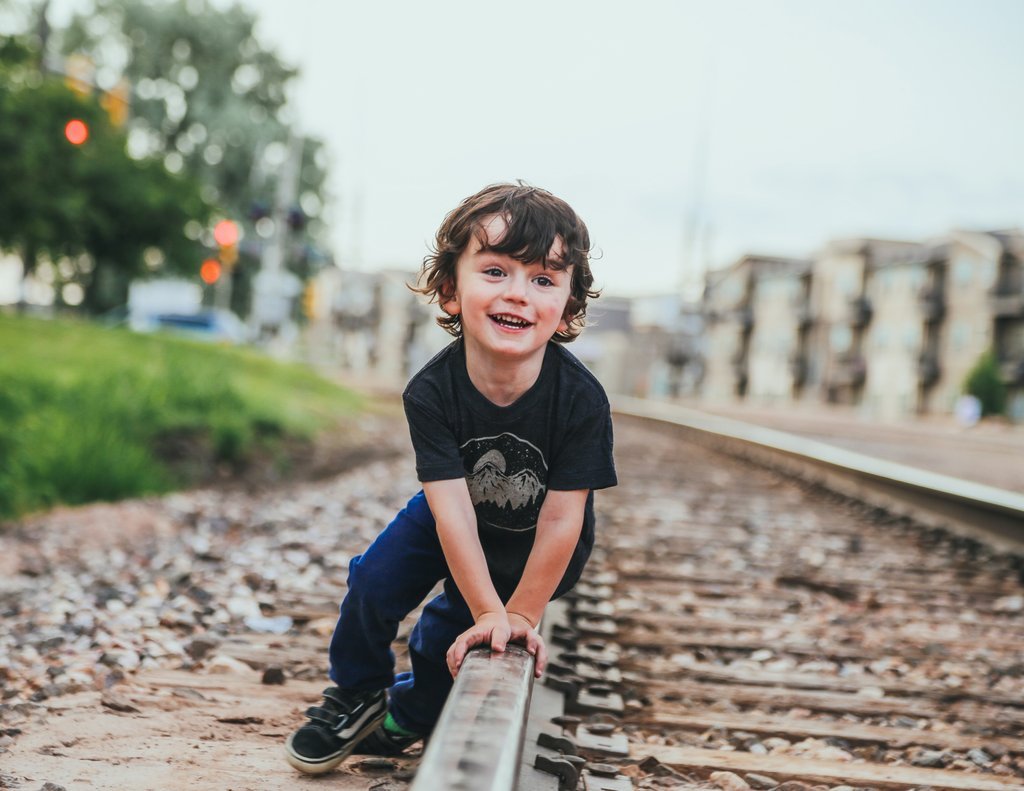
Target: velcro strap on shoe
329,718
334,695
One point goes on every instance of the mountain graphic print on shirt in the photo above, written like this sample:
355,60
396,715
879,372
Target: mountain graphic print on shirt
505,475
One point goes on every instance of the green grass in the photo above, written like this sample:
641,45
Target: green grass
84,408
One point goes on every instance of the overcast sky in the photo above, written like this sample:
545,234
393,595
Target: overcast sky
778,125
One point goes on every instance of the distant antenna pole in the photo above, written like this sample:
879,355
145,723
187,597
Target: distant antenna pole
696,228
358,203
43,31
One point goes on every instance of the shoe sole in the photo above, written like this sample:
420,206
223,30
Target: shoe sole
328,763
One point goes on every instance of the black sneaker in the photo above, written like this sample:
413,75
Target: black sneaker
382,741
335,728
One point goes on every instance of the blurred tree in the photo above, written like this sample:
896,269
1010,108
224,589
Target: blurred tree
210,99
85,216
985,382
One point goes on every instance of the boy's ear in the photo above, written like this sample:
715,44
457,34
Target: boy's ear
568,315
448,299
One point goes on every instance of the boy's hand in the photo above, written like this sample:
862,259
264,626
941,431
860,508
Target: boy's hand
491,628
523,632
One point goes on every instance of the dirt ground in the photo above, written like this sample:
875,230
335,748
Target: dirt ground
163,718
107,680
177,729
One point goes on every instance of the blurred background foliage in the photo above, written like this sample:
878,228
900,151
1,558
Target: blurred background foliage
187,124
188,120
90,413
92,208
985,382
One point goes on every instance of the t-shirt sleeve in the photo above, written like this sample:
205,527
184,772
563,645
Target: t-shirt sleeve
584,459
437,452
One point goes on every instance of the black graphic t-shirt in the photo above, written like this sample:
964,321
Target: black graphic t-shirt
557,435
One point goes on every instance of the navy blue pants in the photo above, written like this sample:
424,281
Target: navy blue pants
387,582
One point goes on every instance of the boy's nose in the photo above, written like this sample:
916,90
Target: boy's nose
516,288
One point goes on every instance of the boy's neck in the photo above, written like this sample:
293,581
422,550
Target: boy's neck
502,382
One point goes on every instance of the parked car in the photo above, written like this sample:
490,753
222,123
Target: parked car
212,324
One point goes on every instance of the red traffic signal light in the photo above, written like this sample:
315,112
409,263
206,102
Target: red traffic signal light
209,272
76,131
225,233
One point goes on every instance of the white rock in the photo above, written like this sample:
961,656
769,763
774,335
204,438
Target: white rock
241,607
1013,603
226,665
276,625
728,781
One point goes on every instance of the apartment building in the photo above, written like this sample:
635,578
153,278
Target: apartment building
892,327
778,351
903,288
965,329
840,313
605,345
730,301
1006,302
889,327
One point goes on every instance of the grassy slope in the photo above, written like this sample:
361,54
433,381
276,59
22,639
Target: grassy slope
82,408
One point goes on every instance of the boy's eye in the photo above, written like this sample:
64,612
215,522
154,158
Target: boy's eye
543,280
493,271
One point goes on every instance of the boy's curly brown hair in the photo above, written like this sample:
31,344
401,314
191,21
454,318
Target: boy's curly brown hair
535,218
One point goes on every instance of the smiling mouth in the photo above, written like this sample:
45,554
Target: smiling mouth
510,322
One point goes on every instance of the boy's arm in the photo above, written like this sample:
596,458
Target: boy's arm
558,531
453,512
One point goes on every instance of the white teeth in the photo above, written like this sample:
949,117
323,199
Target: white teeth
504,319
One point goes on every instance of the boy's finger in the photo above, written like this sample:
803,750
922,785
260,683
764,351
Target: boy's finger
457,653
498,642
540,657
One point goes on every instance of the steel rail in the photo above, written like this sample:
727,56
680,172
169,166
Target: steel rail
478,741
985,513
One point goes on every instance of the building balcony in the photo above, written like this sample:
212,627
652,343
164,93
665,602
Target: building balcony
932,300
679,351
798,368
1012,369
850,370
860,311
1005,302
738,361
928,369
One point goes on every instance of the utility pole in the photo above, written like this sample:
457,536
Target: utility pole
274,287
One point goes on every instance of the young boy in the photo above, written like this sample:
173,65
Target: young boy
512,435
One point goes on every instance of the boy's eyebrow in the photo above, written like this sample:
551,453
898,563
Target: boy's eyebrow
552,264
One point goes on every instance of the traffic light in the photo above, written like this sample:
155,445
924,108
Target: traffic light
309,301
209,272
296,218
76,131
225,234
116,102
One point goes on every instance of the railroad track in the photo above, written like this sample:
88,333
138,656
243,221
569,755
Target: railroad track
737,628
741,629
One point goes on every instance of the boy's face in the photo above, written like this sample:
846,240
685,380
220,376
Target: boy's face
509,309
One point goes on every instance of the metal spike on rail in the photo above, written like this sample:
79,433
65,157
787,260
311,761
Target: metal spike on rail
477,744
